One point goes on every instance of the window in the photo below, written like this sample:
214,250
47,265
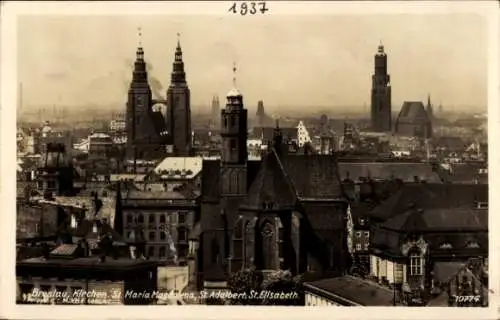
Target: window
162,218
358,247
152,236
163,235
366,246
472,245
140,219
182,217
129,234
129,218
151,252
358,234
269,246
225,122
162,253
215,251
232,144
51,184
367,234
446,245
233,121
362,221
416,264
151,219
182,234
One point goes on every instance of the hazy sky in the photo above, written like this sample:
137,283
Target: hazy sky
284,60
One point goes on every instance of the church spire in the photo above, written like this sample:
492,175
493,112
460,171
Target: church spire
178,73
234,91
140,74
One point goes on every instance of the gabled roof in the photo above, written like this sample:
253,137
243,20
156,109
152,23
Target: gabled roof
313,176
210,179
271,185
413,111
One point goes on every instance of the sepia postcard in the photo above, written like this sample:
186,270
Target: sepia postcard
249,159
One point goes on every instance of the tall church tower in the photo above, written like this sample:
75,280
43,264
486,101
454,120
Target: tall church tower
234,131
179,108
381,94
430,108
139,128
215,110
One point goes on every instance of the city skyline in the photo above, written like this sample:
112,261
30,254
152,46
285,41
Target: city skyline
96,70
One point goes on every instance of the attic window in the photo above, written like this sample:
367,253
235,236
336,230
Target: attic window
177,172
482,205
446,245
188,172
472,245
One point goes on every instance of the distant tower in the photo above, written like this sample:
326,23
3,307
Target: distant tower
139,128
381,94
179,108
234,131
440,109
261,114
215,110
429,108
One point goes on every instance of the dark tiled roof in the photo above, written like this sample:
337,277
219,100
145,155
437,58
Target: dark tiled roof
413,111
440,219
450,143
444,271
68,250
431,196
86,230
358,291
270,185
389,170
466,173
313,176
267,133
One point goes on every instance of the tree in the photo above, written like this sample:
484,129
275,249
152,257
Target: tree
283,289
244,283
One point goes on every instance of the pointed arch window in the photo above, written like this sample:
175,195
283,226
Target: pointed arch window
215,253
238,244
268,246
233,121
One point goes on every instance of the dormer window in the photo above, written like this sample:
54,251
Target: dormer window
472,245
446,245
482,205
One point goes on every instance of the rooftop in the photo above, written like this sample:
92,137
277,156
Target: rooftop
352,291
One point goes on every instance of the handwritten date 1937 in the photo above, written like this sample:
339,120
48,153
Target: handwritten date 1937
251,8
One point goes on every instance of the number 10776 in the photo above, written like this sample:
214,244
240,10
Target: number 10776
471,298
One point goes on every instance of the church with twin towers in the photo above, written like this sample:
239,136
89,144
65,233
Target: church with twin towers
150,133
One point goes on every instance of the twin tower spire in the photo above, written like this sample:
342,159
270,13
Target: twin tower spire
178,76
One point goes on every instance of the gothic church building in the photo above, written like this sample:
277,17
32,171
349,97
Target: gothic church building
148,132
285,211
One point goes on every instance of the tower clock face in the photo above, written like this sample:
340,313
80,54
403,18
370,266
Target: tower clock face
140,101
